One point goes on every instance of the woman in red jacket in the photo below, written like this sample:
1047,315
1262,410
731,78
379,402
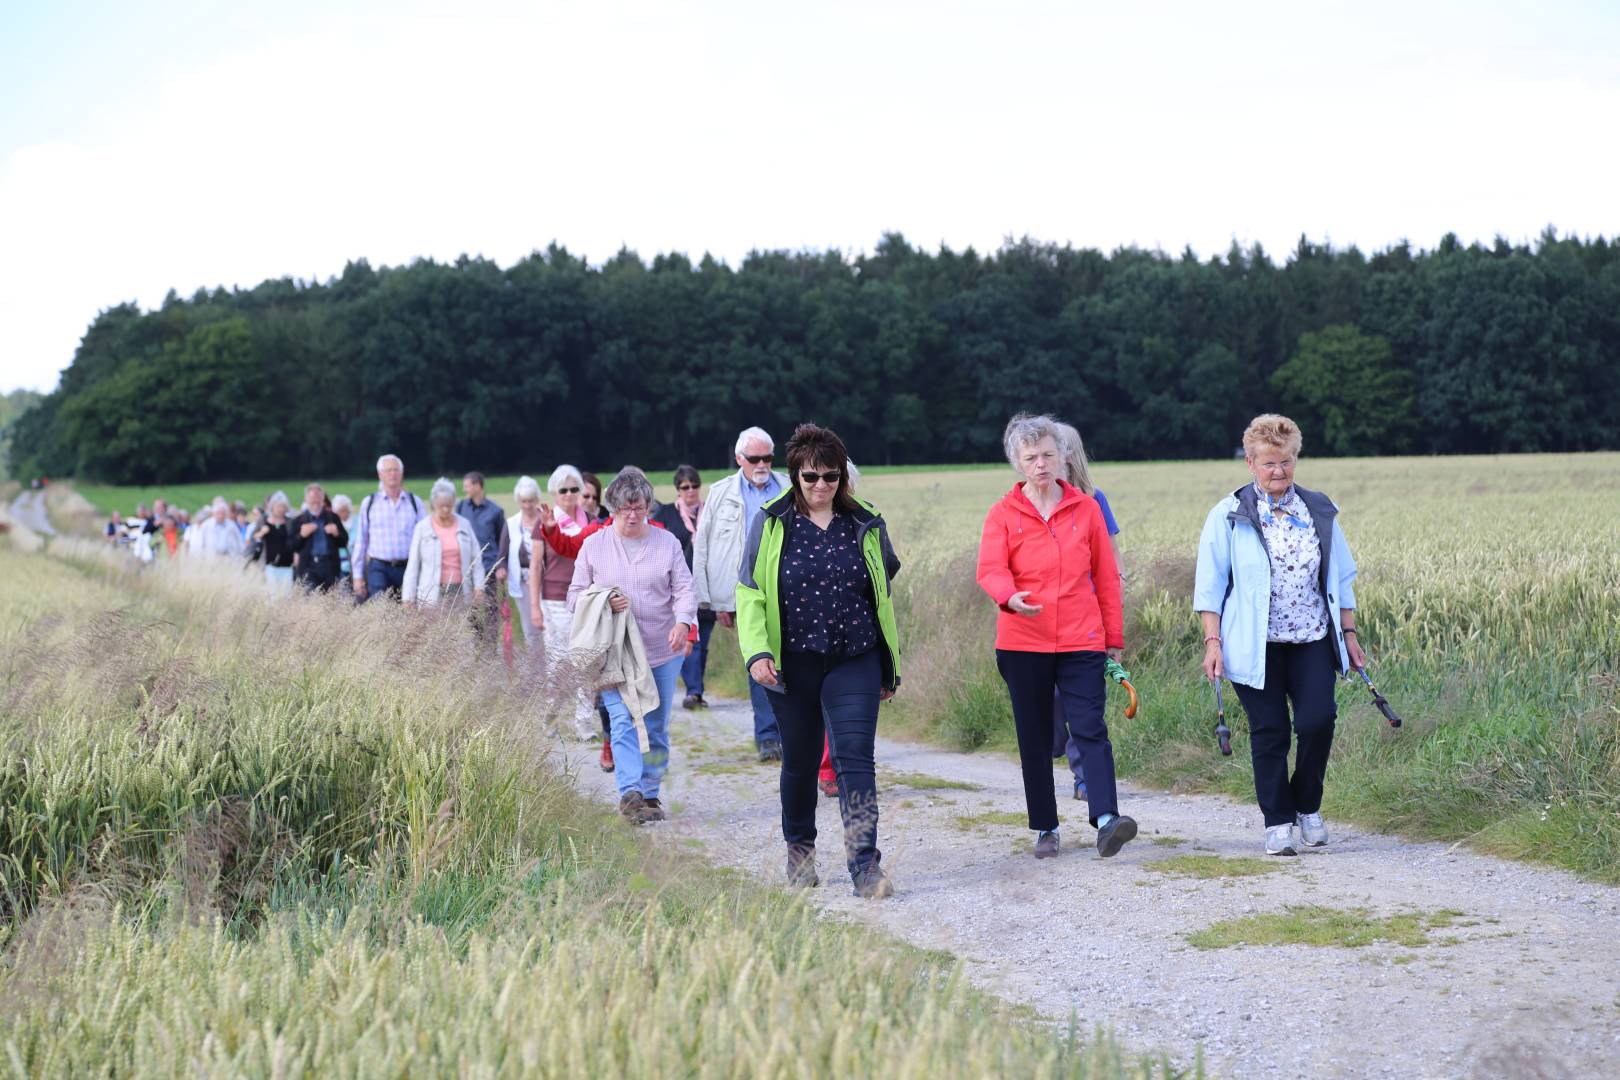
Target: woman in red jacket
1045,559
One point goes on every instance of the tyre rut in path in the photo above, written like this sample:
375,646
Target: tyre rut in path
1525,982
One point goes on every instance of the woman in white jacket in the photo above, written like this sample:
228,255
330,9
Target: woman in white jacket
445,553
520,557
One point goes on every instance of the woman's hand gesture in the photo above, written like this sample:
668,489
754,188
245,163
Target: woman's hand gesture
1018,604
679,639
1214,667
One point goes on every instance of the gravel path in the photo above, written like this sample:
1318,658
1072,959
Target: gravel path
1526,982
28,510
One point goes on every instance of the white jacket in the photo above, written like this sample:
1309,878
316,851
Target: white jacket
717,547
422,567
608,646
517,540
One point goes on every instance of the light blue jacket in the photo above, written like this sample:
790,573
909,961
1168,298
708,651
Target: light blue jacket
1234,578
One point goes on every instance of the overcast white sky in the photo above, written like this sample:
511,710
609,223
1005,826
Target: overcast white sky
164,144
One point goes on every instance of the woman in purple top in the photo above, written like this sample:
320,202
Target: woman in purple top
647,565
1077,472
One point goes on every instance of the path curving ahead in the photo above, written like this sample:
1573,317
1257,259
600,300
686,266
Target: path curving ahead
1526,980
28,510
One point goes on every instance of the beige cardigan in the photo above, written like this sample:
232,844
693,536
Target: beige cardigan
607,647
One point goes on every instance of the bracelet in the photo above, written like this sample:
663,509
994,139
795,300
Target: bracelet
1347,630
1212,637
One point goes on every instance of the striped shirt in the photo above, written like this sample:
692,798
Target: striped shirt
656,580
385,528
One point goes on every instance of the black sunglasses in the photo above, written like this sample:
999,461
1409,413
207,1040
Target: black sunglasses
687,487
568,491
755,459
831,477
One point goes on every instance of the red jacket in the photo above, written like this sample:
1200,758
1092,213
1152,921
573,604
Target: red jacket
568,546
1068,567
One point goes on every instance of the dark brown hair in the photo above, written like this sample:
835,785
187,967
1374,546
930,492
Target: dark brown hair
813,445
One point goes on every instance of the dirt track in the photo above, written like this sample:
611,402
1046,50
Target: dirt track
1525,982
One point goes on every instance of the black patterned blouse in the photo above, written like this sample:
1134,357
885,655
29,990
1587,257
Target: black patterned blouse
827,604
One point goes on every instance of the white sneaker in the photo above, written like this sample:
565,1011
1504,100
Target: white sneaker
1312,830
1280,840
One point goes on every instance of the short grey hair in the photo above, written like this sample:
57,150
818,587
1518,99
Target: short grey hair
754,433
631,485
1027,430
340,501
278,497
561,474
442,489
219,503
526,488
386,458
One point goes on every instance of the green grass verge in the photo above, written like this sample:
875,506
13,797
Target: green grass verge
1349,928
1205,867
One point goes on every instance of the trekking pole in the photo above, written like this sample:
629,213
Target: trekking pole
1114,671
1380,700
1223,734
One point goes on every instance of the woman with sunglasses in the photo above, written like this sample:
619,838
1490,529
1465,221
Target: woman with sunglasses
680,518
548,604
1274,589
815,619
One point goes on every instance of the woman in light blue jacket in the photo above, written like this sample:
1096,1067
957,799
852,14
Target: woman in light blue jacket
1275,592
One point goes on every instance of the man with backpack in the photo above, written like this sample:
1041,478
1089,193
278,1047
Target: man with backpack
387,519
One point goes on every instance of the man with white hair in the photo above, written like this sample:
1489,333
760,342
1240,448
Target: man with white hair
219,535
382,537
717,547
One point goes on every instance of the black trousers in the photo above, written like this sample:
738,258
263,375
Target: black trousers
844,690
317,571
1077,677
1302,675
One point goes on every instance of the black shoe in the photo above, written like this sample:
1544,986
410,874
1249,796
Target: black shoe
1046,845
770,750
701,704
652,810
801,867
633,807
873,884
1114,835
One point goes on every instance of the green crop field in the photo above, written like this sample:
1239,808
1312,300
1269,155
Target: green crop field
228,848
1490,605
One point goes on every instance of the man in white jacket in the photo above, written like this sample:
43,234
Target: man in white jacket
717,549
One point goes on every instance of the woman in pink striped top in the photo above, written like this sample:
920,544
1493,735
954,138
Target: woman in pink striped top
647,565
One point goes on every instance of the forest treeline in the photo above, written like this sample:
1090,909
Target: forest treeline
916,356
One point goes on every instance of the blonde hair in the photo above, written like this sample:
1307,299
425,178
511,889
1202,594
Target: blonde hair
1075,469
1270,429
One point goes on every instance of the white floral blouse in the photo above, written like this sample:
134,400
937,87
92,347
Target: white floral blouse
1297,614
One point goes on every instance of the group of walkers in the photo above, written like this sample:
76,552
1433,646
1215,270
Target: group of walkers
623,594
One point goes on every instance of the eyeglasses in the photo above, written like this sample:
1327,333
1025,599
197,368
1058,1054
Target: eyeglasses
1274,466
589,496
759,459
814,478
632,511
687,487
568,491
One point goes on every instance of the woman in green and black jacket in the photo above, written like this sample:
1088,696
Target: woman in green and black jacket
815,618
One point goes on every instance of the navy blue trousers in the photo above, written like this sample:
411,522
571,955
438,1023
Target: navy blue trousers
1031,678
844,691
1302,675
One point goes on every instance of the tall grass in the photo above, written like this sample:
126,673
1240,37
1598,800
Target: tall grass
308,839
1489,599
